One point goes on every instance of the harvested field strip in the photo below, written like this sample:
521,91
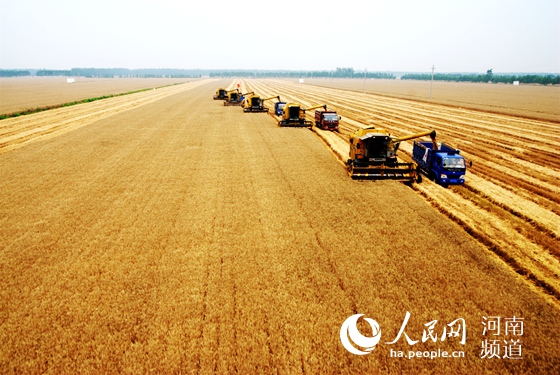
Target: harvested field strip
88,100
535,156
15,132
483,140
20,94
534,231
527,165
539,185
487,226
425,112
427,109
508,190
539,178
522,146
542,133
527,101
404,121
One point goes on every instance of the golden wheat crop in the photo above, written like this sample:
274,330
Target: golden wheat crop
182,236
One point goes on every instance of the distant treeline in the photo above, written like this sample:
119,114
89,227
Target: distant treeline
338,73
195,73
545,79
105,73
541,79
53,73
14,73
140,73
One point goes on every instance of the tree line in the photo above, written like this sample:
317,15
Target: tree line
489,77
541,79
14,73
105,73
338,73
194,73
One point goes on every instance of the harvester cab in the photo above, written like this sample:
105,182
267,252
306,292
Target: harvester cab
294,115
373,155
255,104
221,94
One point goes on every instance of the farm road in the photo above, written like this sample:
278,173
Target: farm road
185,236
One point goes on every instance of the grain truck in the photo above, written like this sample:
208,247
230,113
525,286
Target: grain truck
278,108
326,120
445,165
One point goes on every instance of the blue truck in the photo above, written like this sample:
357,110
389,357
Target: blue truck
445,165
279,107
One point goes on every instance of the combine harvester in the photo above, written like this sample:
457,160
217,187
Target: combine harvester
373,155
235,98
221,94
293,115
255,104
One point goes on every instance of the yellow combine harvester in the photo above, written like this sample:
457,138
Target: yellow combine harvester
254,103
221,94
235,98
373,155
294,115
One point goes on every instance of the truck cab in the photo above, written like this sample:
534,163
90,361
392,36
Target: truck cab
449,169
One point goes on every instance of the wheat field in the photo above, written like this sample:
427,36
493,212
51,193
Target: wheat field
510,201
163,232
22,93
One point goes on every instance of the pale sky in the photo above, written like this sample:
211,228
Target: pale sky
378,35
